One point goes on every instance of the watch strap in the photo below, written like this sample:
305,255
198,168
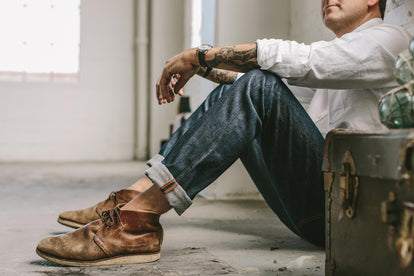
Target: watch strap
207,72
202,58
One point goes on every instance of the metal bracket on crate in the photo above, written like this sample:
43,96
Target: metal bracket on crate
407,165
400,228
348,184
404,243
405,240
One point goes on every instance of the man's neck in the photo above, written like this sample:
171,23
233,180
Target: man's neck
350,28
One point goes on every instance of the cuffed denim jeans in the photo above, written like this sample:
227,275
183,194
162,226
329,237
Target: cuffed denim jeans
258,120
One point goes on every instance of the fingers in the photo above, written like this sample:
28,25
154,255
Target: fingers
177,71
167,94
182,81
165,88
173,82
160,98
157,89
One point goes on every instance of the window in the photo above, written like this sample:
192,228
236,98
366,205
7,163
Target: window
196,21
40,40
202,22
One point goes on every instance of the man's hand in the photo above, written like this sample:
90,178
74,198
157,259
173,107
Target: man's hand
177,71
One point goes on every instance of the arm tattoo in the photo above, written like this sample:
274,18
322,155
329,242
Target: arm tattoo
219,75
244,60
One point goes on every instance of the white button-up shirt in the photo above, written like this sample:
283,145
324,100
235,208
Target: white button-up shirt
350,73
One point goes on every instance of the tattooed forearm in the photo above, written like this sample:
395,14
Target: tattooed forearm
218,75
238,58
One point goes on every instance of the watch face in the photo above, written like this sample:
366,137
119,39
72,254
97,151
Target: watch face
204,47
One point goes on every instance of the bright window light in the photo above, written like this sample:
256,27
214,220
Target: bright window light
39,37
196,13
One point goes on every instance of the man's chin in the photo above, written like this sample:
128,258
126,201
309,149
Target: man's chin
331,22
330,18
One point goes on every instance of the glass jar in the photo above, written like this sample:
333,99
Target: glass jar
404,67
396,108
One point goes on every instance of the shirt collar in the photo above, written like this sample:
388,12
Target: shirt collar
370,23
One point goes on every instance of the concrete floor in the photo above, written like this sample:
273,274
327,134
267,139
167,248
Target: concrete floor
211,238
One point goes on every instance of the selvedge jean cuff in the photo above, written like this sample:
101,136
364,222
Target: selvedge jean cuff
155,159
161,176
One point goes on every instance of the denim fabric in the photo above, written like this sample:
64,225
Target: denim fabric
258,120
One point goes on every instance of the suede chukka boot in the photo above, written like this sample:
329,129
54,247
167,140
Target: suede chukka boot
119,237
79,218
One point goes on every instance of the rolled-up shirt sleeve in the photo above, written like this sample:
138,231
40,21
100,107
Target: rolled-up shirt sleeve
356,60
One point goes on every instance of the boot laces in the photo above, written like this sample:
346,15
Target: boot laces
110,217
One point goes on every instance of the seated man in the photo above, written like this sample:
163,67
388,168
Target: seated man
255,118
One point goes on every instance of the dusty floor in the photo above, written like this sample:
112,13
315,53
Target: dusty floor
211,238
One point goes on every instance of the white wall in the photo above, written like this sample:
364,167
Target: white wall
167,40
306,23
244,21
89,120
400,12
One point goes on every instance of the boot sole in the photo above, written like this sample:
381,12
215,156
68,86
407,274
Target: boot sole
117,260
70,223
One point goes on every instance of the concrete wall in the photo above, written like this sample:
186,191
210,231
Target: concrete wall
88,120
401,12
167,40
244,21
306,23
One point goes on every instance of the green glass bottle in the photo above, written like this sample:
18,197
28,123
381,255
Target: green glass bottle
412,47
396,108
404,67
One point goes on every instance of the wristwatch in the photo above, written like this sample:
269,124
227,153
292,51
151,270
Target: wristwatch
207,72
201,52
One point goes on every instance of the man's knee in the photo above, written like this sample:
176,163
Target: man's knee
216,94
258,75
258,84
